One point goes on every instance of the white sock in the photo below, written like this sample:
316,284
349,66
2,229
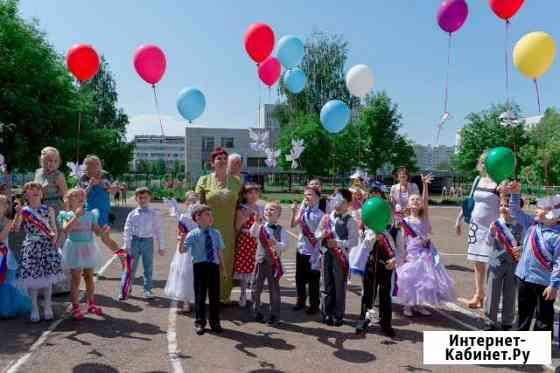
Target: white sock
33,293
47,294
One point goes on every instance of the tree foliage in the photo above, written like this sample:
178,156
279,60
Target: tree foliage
484,130
42,101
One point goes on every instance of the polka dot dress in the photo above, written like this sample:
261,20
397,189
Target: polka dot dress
245,252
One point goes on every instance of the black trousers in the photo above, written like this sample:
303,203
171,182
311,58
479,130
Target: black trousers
530,298
377,281
304,276
206,280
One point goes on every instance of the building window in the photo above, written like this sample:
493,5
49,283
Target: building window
207,144
255,162
227,142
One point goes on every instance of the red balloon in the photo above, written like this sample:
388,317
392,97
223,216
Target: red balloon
505,9
82,61
150,63
269,71
259,42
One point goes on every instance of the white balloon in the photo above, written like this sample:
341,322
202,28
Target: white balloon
359,80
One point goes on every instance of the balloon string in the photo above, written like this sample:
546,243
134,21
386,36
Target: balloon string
80,94
506,47
158,113
538,95
446,92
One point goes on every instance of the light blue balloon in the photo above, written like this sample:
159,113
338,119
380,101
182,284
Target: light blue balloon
290,51
294,80
191,103
335,115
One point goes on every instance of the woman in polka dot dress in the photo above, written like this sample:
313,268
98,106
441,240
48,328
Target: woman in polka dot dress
246,246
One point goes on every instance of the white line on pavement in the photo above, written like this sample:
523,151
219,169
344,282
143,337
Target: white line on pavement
172,347
43,338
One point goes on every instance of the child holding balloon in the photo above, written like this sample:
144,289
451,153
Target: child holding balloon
422,278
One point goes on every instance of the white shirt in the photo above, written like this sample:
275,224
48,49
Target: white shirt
281,243
144,223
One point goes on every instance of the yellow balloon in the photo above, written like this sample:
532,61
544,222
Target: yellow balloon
534,53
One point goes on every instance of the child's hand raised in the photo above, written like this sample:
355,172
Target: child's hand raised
427,179
514,187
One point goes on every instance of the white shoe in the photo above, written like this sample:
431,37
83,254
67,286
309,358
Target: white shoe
242,301
408,311
48,312
372,315
422,311
148,294
34,317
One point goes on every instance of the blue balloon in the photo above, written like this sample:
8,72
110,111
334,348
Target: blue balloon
294,80
191,103
290,51
335,115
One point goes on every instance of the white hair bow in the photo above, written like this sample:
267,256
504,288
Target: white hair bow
552,204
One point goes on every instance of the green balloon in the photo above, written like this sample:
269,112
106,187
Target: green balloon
500,163
376,214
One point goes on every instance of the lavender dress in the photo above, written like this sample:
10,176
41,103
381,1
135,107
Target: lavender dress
423,279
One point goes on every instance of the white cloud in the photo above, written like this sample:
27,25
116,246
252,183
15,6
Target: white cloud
148,124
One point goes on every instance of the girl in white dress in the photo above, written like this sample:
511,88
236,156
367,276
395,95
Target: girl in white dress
180,280
486,210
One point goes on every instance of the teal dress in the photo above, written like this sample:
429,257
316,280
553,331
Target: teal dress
13,301
98,197
80,250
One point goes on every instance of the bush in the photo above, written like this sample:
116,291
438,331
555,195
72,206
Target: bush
159,194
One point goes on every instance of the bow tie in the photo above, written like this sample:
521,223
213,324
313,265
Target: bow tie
272,226
338,216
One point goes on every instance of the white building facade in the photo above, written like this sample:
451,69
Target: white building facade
429,157
151,149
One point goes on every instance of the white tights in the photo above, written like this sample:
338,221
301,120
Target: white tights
47,295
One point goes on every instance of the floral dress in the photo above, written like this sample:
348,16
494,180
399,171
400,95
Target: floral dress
41,263
245,252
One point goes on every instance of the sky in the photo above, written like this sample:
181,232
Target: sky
399,39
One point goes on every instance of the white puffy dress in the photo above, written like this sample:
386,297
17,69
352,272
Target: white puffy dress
180,281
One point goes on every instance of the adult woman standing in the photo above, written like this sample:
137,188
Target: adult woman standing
220,191
485,211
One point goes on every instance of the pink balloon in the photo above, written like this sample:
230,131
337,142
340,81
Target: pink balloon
150,63
452,14
269,71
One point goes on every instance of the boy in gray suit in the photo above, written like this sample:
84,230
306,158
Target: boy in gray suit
505,237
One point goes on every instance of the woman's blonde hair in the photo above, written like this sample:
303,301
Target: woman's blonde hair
32,185
45,151
92,158
480,165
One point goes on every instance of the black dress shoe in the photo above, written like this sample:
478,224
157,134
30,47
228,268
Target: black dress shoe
312,310
338,322
199,329
216,328
298,307
362,326
259,317
328,320
272,320
388,331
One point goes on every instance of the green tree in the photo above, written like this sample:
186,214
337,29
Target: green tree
485,130
541,154
323,65
144,167
158,167
42,101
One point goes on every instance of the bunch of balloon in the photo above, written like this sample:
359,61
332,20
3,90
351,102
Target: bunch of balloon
451,16
359,81
83,62
150,63
290,54
505,10
334,117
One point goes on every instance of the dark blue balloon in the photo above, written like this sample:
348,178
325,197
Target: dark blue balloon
335,115
294,80
191,103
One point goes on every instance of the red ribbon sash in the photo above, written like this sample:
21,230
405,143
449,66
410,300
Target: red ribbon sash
306,231
502,235
126,281
3,262
338,254
276,263
536,249
386,246
29,217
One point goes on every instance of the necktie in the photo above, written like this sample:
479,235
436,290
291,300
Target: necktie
208,246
